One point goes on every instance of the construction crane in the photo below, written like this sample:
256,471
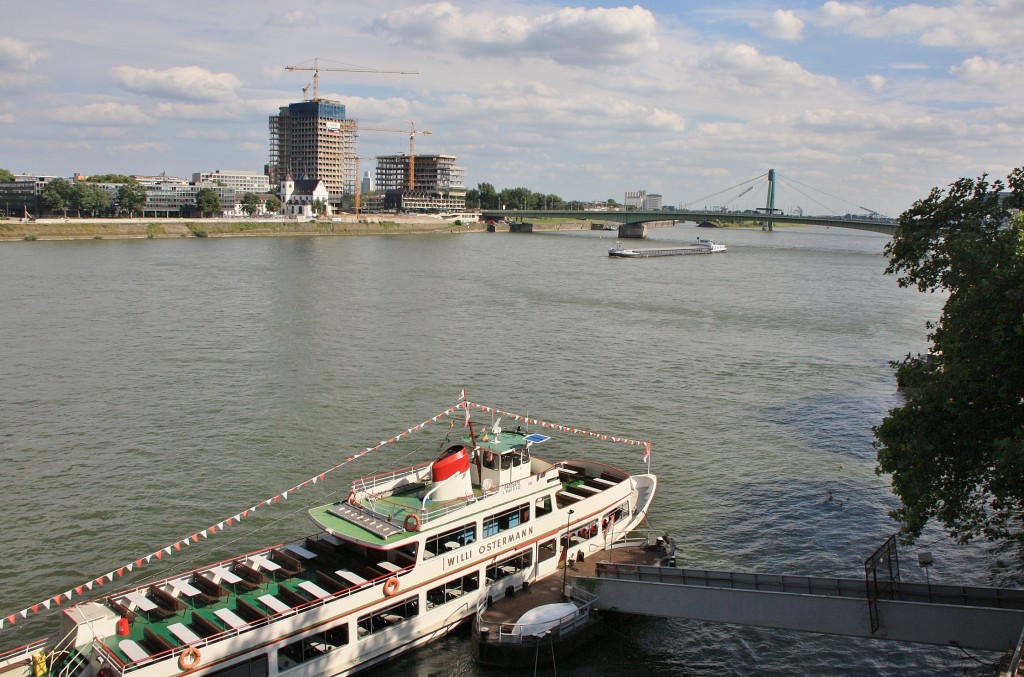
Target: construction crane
348,69
411,180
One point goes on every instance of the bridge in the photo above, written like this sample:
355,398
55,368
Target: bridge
634,223
878,606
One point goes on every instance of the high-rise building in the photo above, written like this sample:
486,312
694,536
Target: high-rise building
439,184
314,140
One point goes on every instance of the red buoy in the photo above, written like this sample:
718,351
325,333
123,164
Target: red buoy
124,628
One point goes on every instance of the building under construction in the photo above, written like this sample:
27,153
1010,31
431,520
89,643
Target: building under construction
314,140
437,183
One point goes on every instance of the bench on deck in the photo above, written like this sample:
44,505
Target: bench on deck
155,643
251,579
323,549
209,592
203,626
330,584
248,611
290,597
122,610
165,600
290,566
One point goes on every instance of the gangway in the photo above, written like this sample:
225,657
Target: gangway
971,617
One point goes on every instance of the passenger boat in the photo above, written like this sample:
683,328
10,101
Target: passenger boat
700,246
404,559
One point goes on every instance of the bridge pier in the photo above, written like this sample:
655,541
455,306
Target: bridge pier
636,231
520,227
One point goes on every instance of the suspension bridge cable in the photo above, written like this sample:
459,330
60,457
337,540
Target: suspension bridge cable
725,190
834,197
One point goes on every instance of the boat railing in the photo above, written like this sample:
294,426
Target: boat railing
533,633
25,650
372,483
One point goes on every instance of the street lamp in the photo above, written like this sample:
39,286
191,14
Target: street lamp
565,567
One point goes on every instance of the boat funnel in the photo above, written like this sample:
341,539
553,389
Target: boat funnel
450,474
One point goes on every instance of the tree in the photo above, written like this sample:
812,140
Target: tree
131,197
250,204
319,207
955,448
207,201
6,176
59,196
108,178
273,205
91,199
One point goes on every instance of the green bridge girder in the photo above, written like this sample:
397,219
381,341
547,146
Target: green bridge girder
883,226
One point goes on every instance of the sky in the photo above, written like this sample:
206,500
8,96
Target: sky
856,105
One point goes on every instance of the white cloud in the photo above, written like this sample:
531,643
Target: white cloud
145,148
571,35
111,113
989,72
295,18
218,134
981,24
754,71
189,83
783,24
16,55
876,82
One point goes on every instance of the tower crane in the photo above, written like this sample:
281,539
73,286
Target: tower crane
348,69
411,180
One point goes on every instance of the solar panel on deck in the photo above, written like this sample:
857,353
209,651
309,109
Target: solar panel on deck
536,438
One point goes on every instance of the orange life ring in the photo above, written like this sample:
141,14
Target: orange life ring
189,658
412,522
352,498
391,587
104,672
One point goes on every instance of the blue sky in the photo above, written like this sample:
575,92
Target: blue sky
870,102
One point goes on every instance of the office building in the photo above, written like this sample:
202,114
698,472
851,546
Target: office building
314,140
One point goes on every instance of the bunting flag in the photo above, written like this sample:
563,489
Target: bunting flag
220,526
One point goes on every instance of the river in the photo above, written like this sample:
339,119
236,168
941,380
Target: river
151,388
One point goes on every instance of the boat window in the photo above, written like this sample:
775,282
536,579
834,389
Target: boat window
546,550
507,519
581,533
542,506
383,619
506,461
509,566
449,540
453,589
314,646
490,459
254,667
615,516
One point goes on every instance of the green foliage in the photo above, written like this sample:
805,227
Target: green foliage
273,205
196,230
208,202
108,178
154,229
59,195
319,207
955,449
31,237
131,197
91,199
250,204
6,175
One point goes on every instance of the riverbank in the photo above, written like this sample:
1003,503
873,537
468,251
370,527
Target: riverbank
123,229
